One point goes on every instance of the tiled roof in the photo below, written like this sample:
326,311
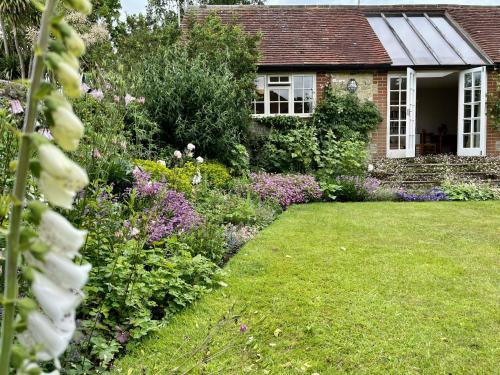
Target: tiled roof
341,35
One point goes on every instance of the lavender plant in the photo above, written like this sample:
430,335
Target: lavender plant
48,246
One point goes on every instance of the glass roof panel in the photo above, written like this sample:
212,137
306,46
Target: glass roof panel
419,40
421,55
470,56
389,41
440,47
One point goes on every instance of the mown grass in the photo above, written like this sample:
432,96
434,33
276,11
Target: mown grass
362,288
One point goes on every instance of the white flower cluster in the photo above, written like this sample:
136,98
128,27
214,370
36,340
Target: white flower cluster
56,280
189,154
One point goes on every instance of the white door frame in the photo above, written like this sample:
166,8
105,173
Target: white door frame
472,151
411,111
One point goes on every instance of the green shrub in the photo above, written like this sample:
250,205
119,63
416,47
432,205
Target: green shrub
215,175
282,122
469,191
345,115
8,149
240,161
207,240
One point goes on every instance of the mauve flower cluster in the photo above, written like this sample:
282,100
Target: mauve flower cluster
368,184
170,212
434,194
285,189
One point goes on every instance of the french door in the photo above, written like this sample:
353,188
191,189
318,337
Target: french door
402,103
472,112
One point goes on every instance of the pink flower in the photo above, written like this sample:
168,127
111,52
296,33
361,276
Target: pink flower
116,98
97,95
46,133
243,328
85,88
96,154
129,99
141,100
16,107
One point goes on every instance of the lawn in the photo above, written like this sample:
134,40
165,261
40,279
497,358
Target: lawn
362,288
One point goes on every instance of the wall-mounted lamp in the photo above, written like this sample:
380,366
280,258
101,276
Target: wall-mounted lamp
352,86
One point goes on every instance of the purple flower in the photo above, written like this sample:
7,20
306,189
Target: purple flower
169,211
97,95
435,194
16,107
141,100
243,328
129,99
285,189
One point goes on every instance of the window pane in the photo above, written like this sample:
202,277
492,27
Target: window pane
467,111
259,108
308,94
274,107
308,107
477,95
466,141
468,96
402,143
477,125
273,95
402,128
299,95
395,83
476,110
274,79
283,107
403,83
394,113
283,94
403,97
477,79
298,108
394,128
394,97
298,82
468,80
308,82
389,41
260,83
476,140
466,126
393,143
284,79
403,113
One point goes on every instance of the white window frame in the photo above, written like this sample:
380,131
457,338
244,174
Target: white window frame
291,88
397,153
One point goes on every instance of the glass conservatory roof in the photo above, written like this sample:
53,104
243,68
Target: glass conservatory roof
424,39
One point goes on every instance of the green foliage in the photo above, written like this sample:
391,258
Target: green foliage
215,175
8,149
469,191
240,161
9,67
193,103
346,115
291,150
207,241
341,157
282,122
494,102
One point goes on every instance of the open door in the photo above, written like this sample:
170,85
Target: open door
472,112
411,111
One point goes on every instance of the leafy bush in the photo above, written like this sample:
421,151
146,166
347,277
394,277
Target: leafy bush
285,189
469,191
356,188
207,240
191,102
240,161
345,115
215,175
8,149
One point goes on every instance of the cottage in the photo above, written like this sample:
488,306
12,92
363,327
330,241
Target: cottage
429,69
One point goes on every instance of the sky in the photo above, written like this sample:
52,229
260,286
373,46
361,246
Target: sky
137,6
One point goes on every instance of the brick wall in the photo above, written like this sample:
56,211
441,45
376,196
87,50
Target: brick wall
322,80
378,143
492,136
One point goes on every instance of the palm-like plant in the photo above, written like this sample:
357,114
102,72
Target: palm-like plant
16,12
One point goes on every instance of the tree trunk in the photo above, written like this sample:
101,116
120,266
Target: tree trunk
4,37
19,54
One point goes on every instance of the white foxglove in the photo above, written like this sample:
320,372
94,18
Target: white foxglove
60,235
60,177
69,78
74,44
83,6
56,302
67,129
30,368
51,337
63,271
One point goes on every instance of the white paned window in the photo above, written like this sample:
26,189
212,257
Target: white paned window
284,94
397,113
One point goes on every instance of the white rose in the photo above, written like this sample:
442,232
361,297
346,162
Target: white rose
199,159
178,154
68,129
191,147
